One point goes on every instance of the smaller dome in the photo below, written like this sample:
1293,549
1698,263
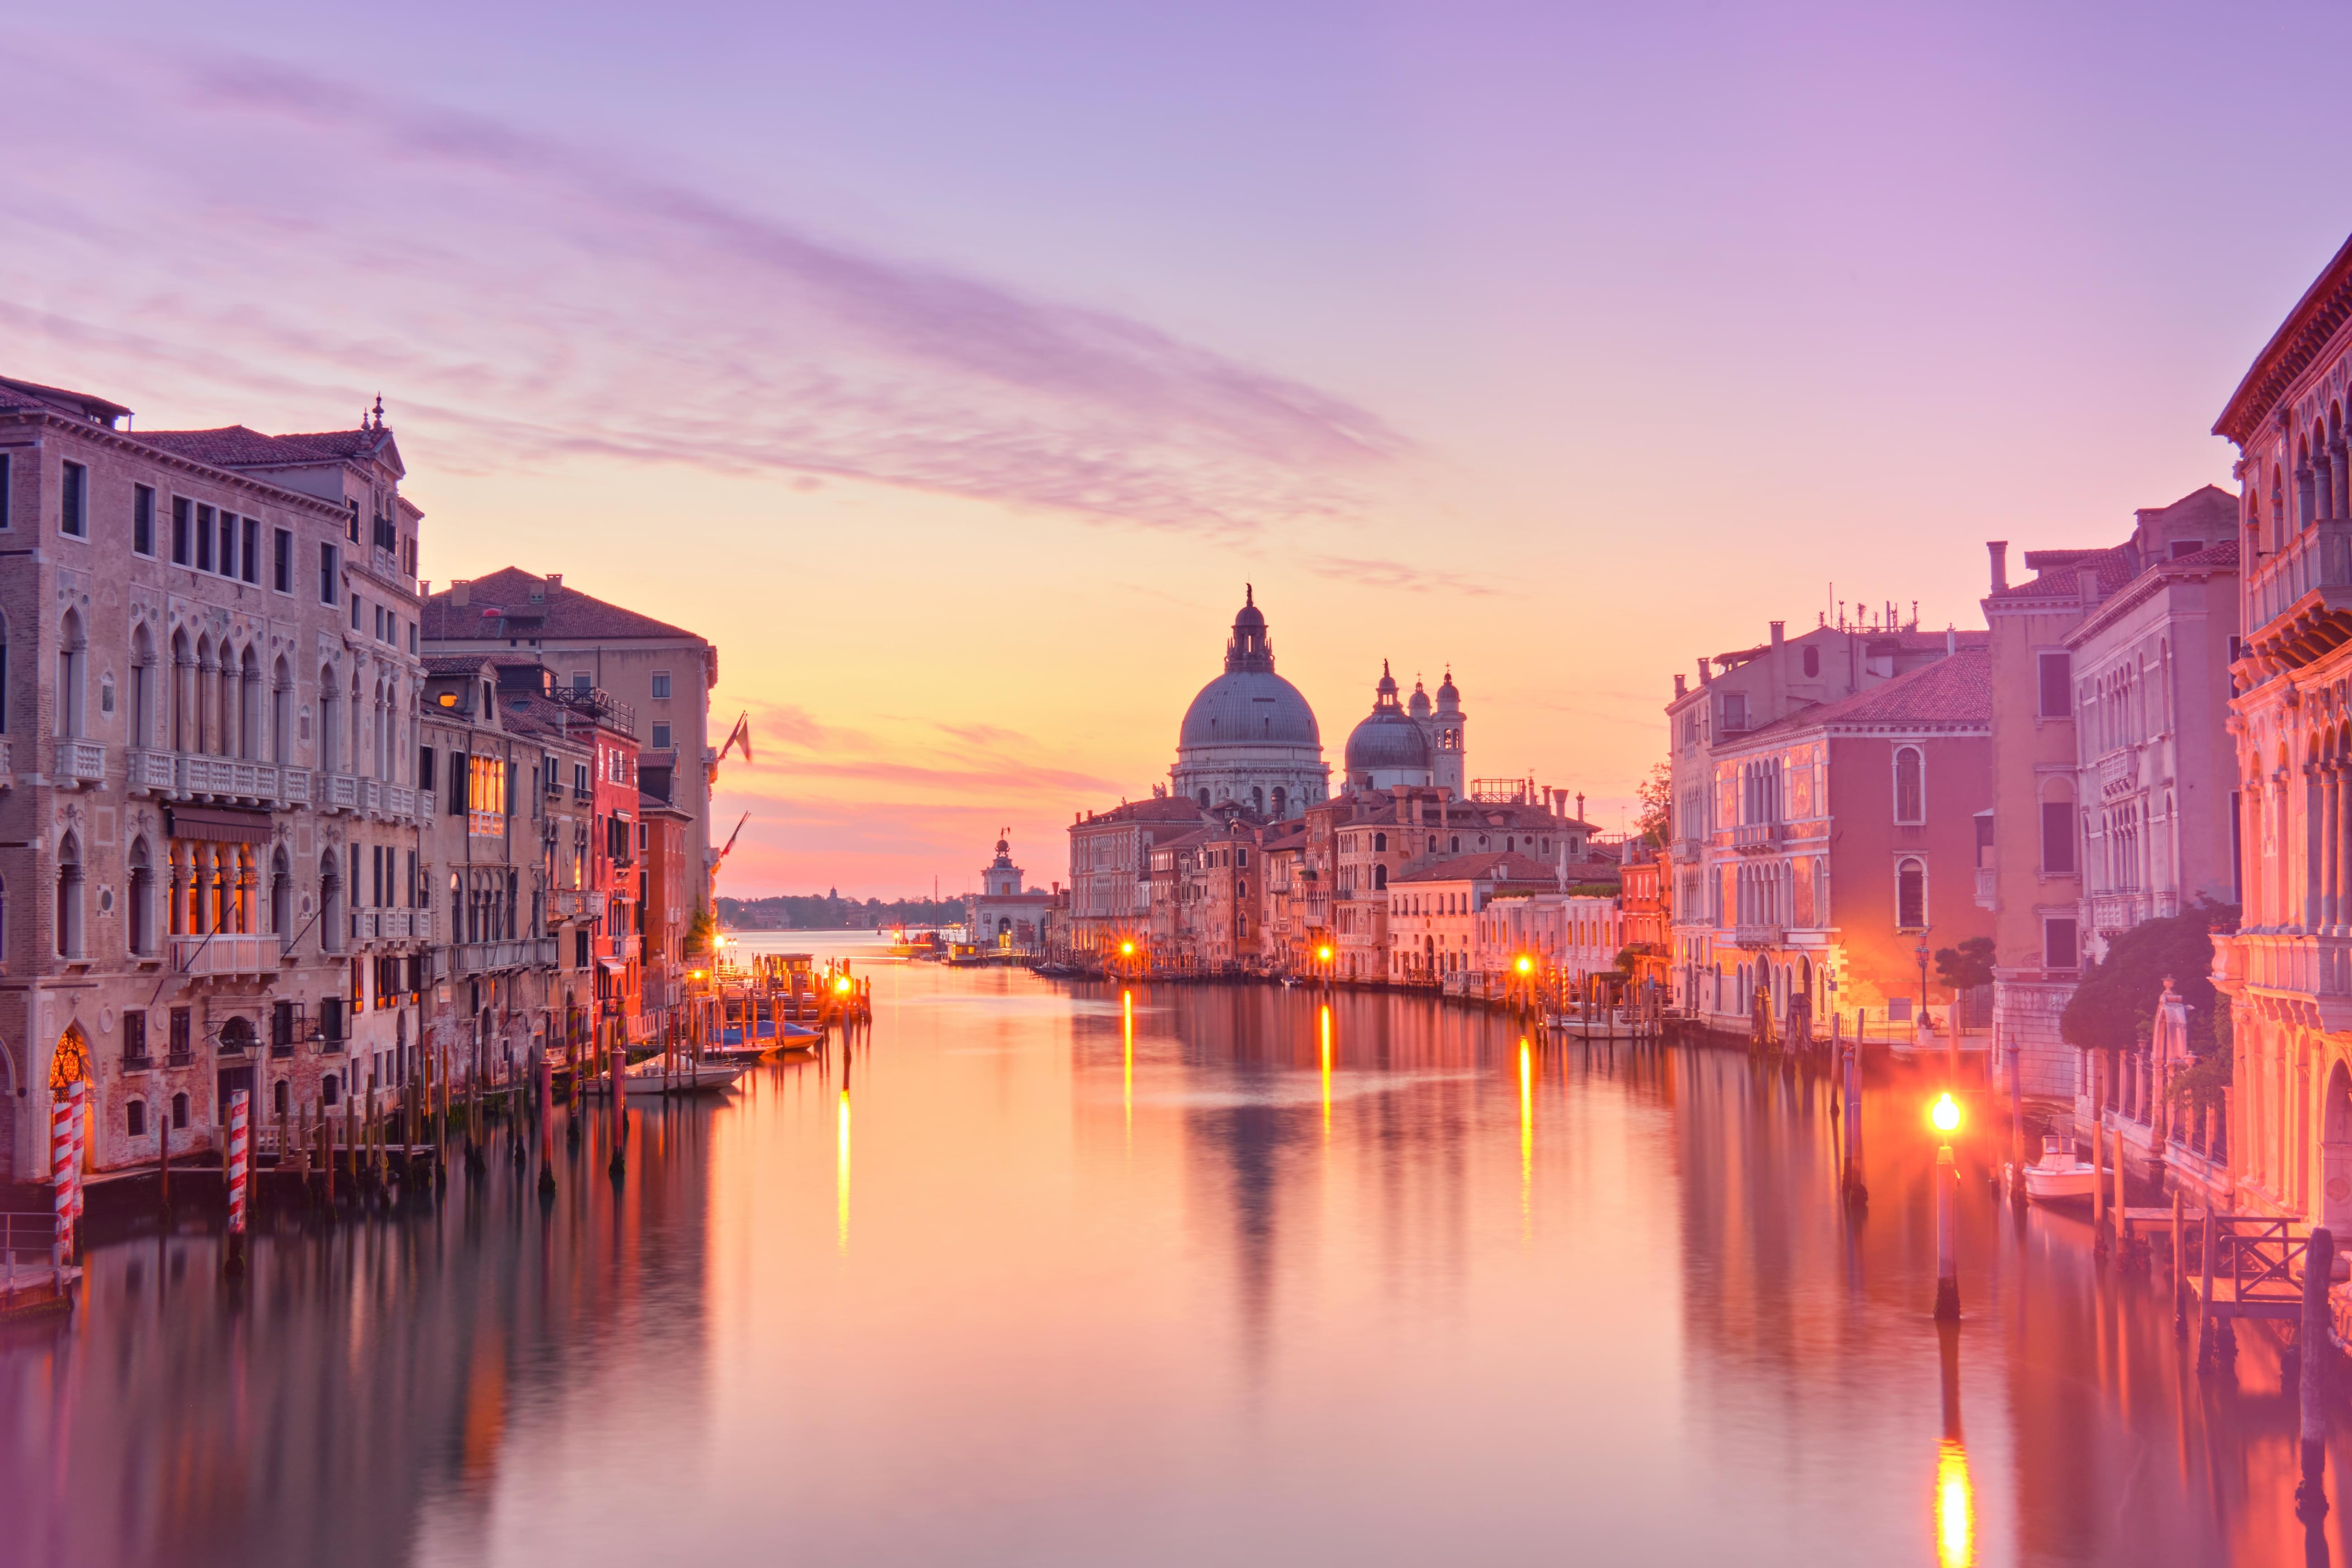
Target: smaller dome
1448,699
1251,615
1384,740
1418,704
1388,686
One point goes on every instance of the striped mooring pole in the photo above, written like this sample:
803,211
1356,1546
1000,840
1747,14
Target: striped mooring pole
240,1162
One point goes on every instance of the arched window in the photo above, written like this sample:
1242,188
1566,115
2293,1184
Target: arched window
249,737
281,713
1910,785
1281,800
140,916
1813,661
1204,800
331,708
183,694
1379,842
281,1098
1911,894
73,659
1257,798
68,911
282,897
142,687
331,904
179,1110
1379,877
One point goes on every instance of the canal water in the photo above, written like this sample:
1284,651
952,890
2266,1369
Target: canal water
1057,1275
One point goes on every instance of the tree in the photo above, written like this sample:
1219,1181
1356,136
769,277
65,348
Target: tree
1656,821
702,933
2114,1009
1967,966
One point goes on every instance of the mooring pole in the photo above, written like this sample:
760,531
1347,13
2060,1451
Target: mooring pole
2180,1271
2318,1266
2205,1297
1947,1251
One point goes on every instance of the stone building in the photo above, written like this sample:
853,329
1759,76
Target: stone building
1249,739
208,872
660,673
1435,905
1110,868
2287,969
2049,791
1005,914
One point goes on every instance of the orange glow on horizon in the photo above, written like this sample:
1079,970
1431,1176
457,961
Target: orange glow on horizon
841,1170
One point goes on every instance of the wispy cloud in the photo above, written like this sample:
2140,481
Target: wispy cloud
1375,573
255,236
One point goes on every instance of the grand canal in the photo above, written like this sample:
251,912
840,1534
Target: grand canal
1181,1275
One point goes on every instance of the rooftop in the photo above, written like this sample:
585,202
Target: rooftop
512,602
1501,865
32,397
1955,690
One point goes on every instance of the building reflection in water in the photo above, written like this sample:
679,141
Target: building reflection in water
1955,1507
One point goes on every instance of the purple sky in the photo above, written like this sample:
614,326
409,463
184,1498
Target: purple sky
985,352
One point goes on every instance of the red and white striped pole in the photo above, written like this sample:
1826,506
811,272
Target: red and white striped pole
62,1109
239,1162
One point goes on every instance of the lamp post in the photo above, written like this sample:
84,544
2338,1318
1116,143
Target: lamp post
1920,953
1946,1116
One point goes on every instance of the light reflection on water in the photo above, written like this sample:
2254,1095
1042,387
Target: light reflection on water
1179,1275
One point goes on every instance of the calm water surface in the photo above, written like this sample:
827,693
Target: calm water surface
1046,1275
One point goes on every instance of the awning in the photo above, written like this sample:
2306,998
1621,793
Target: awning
611,966
216,824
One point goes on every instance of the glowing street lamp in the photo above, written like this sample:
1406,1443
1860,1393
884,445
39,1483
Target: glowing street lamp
1946,1114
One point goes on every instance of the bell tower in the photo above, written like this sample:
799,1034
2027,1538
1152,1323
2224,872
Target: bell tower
1449,764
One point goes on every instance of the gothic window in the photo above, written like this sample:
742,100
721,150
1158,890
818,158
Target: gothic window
1911,894
1910,785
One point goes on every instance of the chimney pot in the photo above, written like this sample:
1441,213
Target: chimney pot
1680,687
461,591
1998,550
555,579
1779,629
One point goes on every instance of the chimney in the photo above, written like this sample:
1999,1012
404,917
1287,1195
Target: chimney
1580,805
555,579
1779,629
461,593
1951,640
2086,584
1702,672
1998,550
1679,687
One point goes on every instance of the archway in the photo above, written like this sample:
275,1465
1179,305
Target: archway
2335,1153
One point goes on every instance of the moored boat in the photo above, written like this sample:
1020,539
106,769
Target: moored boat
2060,1175
656,1077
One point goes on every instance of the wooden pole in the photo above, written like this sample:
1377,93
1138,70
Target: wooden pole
1948,1264
2180,1271
2205,1297
2315,1341
2098,1158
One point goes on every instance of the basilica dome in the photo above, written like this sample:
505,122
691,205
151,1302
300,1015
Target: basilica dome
1249,736
1387,740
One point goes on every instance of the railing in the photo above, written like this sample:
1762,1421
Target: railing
81,760
226,952
2285,960
2119,771
484,957
2319,556
1753,836
294,785
1686,851
338,792
485,825
623,948
229,776
574,904
1755,935
399,801
2117,911
390,925
598,701
147,772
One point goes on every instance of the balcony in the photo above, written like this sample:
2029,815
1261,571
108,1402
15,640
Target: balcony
598,704
2293,596
1759,838
1988,888
1756,936
338,792
294,786
485,825
1686,851
623,948
225,953
80,762
576,903
2113,912
490,957
2317,970
226,778
391,925
151,773
2119,771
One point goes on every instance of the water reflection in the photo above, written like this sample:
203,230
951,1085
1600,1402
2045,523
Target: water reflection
1159,1275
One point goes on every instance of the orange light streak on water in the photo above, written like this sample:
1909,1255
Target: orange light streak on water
841,1171
1526,1141
1327,1072
1955,1508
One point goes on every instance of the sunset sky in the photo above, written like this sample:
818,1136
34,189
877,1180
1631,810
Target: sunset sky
953,368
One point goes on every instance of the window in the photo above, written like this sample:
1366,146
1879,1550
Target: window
179,1113
228,545
661,737
73,501
135,1118
1381,879
281,566
1734,711
1911,895
2060,948
177,1039
252,557
143,518
2058,837
203,539
1813,662
425,769
2057,685
1910,785
458,782
2186,547
354,505
1379,842
134,1039
661,683
355,612
179,530
4,489
327,575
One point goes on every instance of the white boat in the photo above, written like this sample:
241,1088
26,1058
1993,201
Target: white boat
656,1076
2059,1176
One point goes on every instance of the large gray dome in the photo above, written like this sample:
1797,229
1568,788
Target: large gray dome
1387,739
1249,708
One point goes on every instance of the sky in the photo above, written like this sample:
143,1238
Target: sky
952,368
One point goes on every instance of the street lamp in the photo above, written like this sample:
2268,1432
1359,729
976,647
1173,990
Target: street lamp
1945,1116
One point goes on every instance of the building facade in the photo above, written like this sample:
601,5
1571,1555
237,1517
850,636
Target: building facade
210,881
1249,739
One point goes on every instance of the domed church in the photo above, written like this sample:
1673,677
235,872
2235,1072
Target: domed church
1414,744
1249,738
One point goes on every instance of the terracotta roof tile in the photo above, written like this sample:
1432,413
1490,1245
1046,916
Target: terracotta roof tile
1954,691
1499,865
500,604
238,447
